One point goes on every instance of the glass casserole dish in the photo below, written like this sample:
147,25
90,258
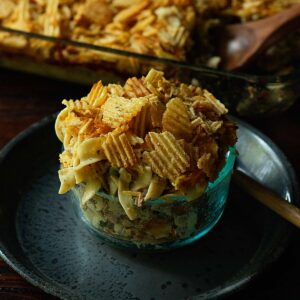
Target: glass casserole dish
244,94
70,40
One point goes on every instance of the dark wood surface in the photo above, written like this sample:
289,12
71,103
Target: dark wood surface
25,99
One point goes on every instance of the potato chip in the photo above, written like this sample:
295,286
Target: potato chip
192,151
22,15
159,86
206,163
140,123
6,8
209,103
142,24
80,107
135,88
210,127
115,90
156,113
124,3
152,79
174,36
176,119
129,13
219,107
119,151
51,22
187,182
168,159
149,117
119,110
98,95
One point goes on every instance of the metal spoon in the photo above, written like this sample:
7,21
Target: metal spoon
240,44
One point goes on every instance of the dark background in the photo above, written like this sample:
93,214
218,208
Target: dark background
25,99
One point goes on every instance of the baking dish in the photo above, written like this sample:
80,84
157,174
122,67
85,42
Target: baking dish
245,94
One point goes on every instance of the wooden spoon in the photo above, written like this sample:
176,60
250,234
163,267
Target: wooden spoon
240,44
267,197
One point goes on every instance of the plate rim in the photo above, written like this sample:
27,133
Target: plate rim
228,287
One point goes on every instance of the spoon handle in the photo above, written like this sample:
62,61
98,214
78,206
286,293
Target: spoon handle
273,28
267,197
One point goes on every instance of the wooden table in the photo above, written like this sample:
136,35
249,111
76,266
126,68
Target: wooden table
25,99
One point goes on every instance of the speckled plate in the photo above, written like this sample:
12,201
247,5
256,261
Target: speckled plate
41,238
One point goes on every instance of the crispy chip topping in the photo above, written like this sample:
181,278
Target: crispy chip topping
151,27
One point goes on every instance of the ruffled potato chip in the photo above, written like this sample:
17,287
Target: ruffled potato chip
168,159
135,88
152,79
119,110
79,107
98,95
119,151
149,118
176,119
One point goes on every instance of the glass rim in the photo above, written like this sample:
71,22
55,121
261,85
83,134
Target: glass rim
252,78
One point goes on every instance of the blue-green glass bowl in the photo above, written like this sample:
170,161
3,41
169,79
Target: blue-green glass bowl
162,224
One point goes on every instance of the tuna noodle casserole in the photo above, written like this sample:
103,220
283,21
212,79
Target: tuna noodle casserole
152,139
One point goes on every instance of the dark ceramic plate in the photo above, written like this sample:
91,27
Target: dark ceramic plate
41,238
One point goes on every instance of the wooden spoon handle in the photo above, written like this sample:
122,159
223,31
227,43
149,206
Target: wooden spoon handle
267,197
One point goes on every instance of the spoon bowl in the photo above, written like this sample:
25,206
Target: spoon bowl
241,44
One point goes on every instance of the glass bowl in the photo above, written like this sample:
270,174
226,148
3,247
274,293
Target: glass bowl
161,224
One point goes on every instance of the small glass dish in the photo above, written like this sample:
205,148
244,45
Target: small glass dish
162,224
